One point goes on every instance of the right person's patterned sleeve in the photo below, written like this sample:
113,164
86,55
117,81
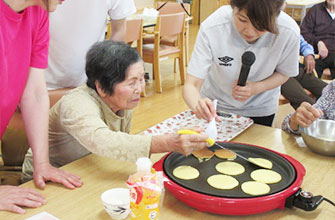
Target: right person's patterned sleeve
286,125
326,102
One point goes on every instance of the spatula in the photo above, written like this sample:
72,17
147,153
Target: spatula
211,142
244,158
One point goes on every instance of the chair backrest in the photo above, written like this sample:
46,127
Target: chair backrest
134,30
222,2
172,7
171,24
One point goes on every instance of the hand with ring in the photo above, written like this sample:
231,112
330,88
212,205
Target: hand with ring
242,93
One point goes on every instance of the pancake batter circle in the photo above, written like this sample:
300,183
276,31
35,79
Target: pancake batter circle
230,168
255,188
186,172
265,176
224,182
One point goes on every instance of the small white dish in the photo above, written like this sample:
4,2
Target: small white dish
116,202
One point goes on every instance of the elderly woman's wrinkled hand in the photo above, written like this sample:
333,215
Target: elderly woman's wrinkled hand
304,116
46,172
181,143
187,143
12,198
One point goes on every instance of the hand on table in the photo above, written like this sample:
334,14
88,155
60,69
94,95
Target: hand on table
304,116
12,197
205,110
309,63
243,93
45,172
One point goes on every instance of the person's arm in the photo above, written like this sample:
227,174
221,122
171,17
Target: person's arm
35,111
198,70
307,51
305,48
118,30
183,144
304,116
202,107
242,93
118,12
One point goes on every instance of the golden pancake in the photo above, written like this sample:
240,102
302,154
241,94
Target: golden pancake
261,162
204,153
220,181
230,168
186,172
225,154
265,176
255,188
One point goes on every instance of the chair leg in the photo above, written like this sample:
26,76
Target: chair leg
182,68
186,47
175,65
156,76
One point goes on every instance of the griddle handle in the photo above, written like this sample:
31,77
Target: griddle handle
300,200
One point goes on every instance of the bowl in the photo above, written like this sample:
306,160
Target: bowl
320,137
116,202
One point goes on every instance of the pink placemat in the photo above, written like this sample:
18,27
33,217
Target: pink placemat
230,126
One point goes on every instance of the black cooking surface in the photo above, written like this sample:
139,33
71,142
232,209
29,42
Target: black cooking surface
207,169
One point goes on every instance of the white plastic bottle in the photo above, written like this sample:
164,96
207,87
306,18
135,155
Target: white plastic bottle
145,191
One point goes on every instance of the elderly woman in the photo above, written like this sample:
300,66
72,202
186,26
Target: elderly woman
24,42
307,113
96,117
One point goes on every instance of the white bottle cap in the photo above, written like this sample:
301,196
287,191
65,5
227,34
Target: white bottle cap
143,164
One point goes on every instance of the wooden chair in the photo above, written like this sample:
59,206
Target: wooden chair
222,2
165,8
14,143
134,33
167,25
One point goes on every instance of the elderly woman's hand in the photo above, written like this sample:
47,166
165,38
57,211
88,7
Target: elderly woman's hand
186,143
181,143
304,116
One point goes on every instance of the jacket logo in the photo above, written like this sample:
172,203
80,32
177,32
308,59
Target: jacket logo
225,61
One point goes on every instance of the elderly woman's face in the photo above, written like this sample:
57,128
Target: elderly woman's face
245,28
127,93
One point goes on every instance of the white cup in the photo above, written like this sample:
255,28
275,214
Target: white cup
116,202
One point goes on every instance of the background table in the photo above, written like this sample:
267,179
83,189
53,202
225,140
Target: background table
100,174
302,4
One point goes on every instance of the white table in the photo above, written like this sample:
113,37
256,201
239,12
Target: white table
302,4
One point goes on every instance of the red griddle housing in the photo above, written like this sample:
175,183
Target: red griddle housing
235,206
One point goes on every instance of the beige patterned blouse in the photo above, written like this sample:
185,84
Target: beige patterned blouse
81,123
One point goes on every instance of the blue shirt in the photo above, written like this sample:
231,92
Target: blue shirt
305,48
